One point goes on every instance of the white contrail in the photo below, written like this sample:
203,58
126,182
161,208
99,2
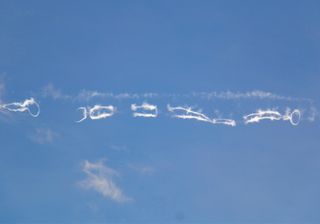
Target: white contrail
22,107
86,95
145,107
255,94
84,114
97,112
229,122
271,114
190,114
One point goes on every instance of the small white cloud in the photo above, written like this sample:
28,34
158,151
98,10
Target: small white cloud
86,95
43,136
100,178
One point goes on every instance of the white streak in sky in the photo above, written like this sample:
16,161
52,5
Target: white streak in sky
145,107
271,114
97,112
224,95
188,113
100,178
86,95
256,94
24,106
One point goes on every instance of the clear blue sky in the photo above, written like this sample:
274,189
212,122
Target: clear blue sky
166,170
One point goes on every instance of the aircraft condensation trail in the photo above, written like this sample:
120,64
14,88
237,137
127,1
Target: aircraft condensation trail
144,107
293,117
146,110
22,107
97,112
190,114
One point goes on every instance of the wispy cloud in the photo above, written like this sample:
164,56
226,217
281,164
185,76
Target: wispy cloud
2,89
43,136
101,179
50,91
86,95
141,169
255,94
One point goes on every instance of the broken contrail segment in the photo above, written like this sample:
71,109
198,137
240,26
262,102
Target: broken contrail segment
190,114
144,110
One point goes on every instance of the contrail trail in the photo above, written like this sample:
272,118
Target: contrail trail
255,94
85,95
271,114
22,107
190,114
97,112
145,107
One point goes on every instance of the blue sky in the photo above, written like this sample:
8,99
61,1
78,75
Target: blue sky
163,169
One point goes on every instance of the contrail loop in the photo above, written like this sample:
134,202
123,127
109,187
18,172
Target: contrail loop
270,114
145,107
22,107
96,112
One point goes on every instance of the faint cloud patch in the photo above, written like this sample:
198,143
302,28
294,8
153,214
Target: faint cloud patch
119,148
50,91
100,178
43,136
4,114
141,169
93,207
313,114
2,87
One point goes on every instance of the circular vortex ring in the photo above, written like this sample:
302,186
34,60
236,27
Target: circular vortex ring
295,117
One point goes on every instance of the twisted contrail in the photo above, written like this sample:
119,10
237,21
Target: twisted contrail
144,107
190,114
22,107
97,112
270,114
